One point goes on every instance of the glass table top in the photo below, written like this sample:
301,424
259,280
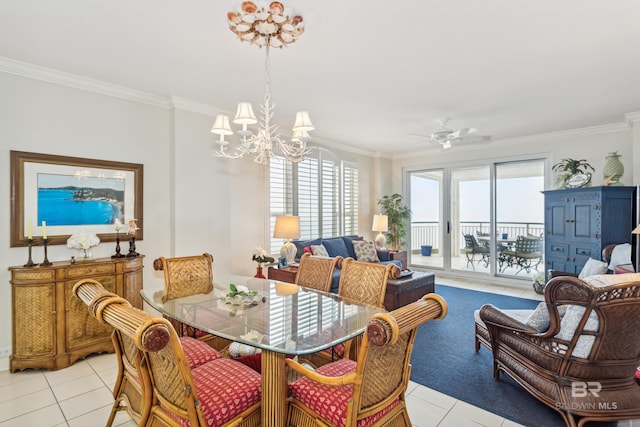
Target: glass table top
281,317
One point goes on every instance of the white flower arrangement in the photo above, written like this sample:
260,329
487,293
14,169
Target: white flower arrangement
538,278
82,240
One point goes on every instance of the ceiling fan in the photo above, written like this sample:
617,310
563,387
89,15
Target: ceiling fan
446,135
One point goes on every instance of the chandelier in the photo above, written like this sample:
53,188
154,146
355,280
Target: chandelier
272,26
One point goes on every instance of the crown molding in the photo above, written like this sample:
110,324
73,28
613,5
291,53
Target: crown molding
632,118
193,106
23,69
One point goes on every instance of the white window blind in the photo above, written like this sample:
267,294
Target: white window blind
321,190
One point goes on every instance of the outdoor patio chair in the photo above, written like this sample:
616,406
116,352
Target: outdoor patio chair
370,391
578,351
473,248
526,255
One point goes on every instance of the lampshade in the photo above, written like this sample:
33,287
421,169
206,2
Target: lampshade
221,125
636,230
380,223
287,227
244,114
303,122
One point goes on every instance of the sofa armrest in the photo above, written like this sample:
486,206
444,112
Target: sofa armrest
493,316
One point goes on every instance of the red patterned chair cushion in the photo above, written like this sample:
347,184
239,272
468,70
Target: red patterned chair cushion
331,402
224,388
197,352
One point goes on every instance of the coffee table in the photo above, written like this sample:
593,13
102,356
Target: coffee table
405,290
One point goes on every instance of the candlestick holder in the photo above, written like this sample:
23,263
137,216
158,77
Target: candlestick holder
132,248
30,263
117,254
46,261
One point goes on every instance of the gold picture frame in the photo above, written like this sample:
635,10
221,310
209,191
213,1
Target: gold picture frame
53,188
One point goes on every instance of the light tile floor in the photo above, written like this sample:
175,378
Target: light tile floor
80,395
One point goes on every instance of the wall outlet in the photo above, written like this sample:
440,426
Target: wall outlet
5,351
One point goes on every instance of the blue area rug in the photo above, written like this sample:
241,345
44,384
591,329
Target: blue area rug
444,359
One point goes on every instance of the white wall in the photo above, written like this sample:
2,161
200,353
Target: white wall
194,202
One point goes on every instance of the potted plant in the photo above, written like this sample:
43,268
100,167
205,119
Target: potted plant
572,173
398,214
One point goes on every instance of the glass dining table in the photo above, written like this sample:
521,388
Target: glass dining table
279,318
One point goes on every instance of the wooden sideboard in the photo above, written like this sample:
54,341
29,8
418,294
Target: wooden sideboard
51,328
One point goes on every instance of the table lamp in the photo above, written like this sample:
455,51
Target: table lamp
380,224
287,227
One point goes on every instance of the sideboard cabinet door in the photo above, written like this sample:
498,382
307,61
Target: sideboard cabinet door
51,328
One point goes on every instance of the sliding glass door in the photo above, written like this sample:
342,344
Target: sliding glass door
478,219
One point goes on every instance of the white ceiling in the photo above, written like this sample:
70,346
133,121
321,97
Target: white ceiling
370,73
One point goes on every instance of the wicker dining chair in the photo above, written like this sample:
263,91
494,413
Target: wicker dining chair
218,392
185,276
365,282
370,391
316,272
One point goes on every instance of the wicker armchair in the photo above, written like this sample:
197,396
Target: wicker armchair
316,272
370,391
218,392
580,363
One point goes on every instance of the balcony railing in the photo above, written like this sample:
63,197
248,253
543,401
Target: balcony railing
430,233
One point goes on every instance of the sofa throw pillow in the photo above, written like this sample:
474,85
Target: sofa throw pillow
365,250
335,247
620,255
319,250
593,267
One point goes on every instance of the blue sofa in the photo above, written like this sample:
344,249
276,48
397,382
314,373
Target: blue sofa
339,246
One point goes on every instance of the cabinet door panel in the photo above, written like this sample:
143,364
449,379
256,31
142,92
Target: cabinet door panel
583,221
555,218
81,327
34,317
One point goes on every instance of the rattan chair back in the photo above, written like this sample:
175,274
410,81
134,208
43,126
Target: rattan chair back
173,390
316,272
132,391
382,371
184,276
365,282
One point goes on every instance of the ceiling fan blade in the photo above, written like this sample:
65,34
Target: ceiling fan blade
462,132
473,138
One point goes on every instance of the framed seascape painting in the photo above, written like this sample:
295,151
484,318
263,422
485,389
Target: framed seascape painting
71,194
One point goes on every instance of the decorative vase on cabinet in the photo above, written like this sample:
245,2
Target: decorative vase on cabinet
613,169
